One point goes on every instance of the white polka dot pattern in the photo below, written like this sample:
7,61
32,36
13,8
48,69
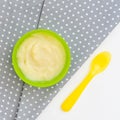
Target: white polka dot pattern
83,24
15,20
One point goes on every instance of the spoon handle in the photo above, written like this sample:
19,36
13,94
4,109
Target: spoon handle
72,98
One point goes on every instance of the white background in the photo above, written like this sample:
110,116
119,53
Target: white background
101,98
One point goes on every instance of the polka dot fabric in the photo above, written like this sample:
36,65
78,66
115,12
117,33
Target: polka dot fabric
83,23
15,20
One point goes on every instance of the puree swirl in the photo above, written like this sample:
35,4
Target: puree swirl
41,57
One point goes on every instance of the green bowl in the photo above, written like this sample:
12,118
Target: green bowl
40,83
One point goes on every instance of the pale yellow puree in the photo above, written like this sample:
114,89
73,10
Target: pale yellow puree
41,57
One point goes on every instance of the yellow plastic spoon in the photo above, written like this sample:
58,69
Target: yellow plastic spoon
98,64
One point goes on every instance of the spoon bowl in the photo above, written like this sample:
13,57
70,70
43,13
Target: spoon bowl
100,62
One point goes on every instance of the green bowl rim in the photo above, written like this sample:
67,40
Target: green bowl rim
41,83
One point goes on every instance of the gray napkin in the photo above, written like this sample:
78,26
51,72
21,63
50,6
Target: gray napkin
83,23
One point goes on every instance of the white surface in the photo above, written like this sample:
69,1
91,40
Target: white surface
101,99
